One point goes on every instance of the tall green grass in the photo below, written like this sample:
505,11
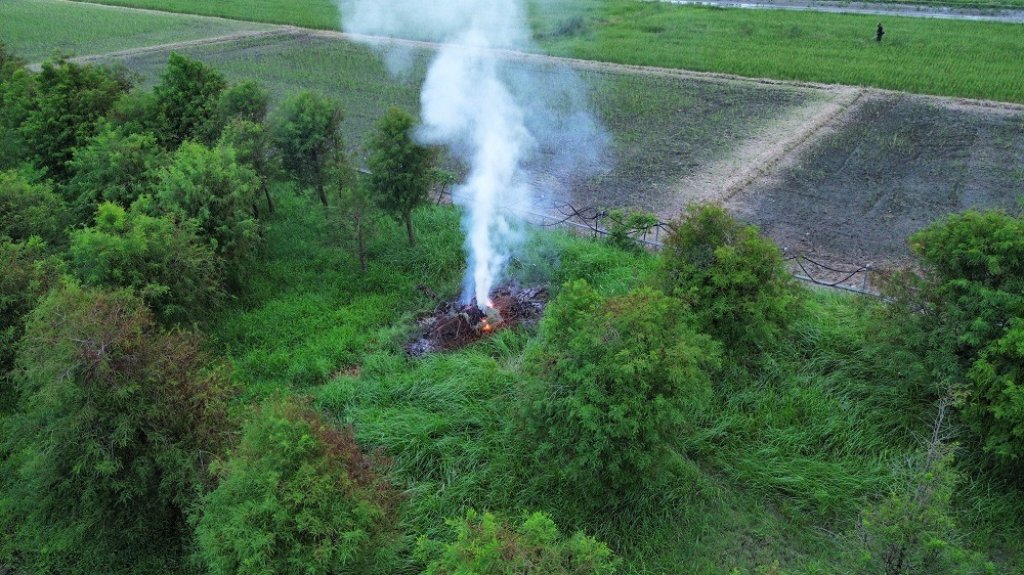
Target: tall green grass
795,445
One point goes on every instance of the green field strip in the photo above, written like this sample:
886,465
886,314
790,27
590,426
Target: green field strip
38,29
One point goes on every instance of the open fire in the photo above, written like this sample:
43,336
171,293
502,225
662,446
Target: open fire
451,325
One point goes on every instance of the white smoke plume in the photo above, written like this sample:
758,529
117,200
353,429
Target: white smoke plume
512,124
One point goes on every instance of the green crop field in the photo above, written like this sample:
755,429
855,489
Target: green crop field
37,29
951,58
663,128
306,13
942,57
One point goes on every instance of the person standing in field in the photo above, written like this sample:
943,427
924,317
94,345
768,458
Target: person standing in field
879,33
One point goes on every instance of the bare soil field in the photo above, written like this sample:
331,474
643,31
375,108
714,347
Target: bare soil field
887,168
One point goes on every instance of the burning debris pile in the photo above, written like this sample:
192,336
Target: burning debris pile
451,325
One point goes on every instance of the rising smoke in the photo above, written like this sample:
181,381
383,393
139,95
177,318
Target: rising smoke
523,131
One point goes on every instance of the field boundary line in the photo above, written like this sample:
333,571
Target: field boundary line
992,13
805,135
141,50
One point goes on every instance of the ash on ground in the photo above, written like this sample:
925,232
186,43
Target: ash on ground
454,325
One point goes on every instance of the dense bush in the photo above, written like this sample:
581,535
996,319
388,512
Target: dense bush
113,167
212,188
187,98
735,280
30,209
297,497
117,421
28,273
306,128
484,546
971,330
617,380
66,105
164,262
247,101
400,169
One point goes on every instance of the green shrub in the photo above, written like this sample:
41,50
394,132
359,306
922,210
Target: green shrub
66,105
247,101
187,98
164,262
28,273
966,316
113,167
484,546
625,225
108,451
296,497
735,280
28,209
212,188
306,128
616,380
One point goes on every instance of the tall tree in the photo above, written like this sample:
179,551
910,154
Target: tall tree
68,102
307,130
357,211
253,148
30,209
187,98
401,169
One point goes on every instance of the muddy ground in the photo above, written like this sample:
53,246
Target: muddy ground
889,167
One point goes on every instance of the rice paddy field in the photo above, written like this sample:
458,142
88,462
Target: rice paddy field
38,29
662,128
941,57
891,167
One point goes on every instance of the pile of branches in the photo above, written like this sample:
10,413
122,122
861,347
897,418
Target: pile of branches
453,325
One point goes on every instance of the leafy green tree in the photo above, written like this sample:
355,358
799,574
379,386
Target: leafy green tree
247,101
28,273
114,167
735,280
9,63
306,128
356,216
68,102
253,147
296,497
401,169
616,380
211,187
484,546
187,97
164,262
965,316
137,112
108,452
28,209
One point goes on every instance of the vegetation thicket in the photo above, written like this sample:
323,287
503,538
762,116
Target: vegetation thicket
107,452
296,497
692,409
485,545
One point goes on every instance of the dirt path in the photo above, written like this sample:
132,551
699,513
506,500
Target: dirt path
1010,15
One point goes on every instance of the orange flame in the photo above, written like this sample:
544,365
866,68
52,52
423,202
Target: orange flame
486,327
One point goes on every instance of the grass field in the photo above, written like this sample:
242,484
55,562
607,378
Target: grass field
954,58
951,58
772,483
898,164
663,128
37,29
